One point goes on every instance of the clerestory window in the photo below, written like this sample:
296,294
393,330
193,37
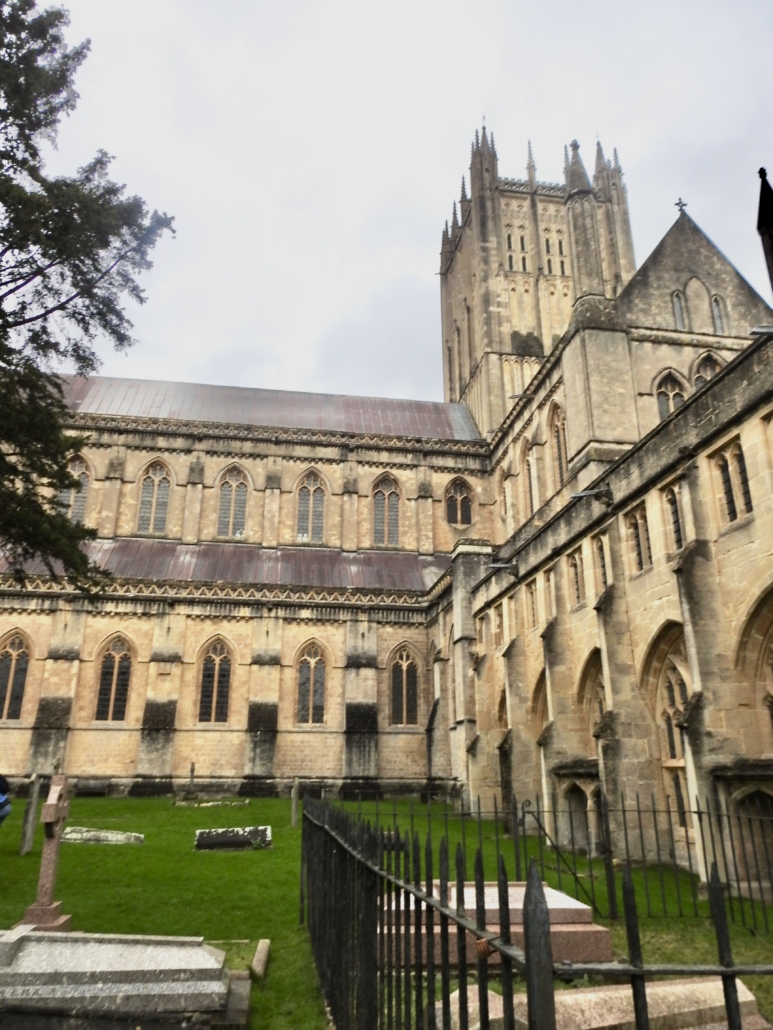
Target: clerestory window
232,510
311,509
154,500
670,394
386,513
459,504
73,500
14,663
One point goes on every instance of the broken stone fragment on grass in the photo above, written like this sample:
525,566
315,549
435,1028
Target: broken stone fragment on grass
84,835
238,838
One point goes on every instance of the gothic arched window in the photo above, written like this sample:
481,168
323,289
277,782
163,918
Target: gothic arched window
527,476
577,573
215,683
672,503
233,504
670,394
510,242
311,685
74,499
510,262
673,694
734,479
679,311
558,434
639,538
311,509
719,320
707,368
154,499
114,682
459,504
405,690
386,512
14,662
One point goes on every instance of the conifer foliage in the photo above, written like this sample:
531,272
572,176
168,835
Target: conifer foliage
71,249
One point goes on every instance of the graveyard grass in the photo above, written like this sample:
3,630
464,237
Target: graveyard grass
233,899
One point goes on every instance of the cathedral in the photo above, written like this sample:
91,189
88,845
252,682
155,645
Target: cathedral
557,583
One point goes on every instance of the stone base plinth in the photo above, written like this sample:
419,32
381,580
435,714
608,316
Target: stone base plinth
46,917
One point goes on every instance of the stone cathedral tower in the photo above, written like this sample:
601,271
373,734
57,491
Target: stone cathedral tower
517,255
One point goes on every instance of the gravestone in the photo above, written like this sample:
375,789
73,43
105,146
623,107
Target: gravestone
30,813
47,913
84,835
236,838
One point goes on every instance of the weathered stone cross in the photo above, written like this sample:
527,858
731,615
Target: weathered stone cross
46,913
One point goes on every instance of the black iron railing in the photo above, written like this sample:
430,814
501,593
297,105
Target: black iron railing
393,952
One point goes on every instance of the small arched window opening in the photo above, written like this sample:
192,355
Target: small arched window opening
561,248
563,268
386,513
727,488
673,696
550,267
639,538
601,563
510,242
743,478
672,503
527,475
311,509
405,690
734,479
73,500
523,244
577,574
114,682
707,368
559,446
510,262
547,244
14,662
679,311
154,500
719,320
523,264
670,394
233,504
215,684
459,504
311,685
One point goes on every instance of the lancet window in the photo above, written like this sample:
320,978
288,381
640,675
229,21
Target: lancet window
154,499
386,513
14,663
215,683
639,538
311,509
311,685
670,394
405,689
74,499
115,673
679,311
232,509
459,504
719,320
673,695
674,517
558,433
734,480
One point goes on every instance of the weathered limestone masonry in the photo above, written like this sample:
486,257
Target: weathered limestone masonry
557,582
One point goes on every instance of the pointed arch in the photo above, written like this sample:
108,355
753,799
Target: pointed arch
311,494
704,368
538,706
591,693
698,306
459,503
115,669
404,667
75,499
754,658
311,664
234,486
557,435
386,511
216,671
155,485
528,479
15,655
670,391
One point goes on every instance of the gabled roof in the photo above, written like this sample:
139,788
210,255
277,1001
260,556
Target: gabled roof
194,402
686,253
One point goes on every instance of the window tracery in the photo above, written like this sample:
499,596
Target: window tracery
459,504
74,500
311,685
558,434
232,510
670,395
673,694
115,674
639,538
734,481
154,500
311,509
14,663
386,513
675,518
215,683
706,369
405,689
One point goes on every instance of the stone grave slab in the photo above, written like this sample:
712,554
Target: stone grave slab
85,835
672,1004
574,937
114,976
236,838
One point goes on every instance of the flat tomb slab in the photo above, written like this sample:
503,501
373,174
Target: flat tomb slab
85,835
672,1005
237,838
561,907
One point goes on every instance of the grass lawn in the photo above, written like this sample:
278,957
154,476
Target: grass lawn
165,887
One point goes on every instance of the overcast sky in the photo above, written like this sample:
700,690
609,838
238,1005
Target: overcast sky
310,153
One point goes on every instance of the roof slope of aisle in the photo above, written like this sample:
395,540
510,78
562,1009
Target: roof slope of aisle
194,402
